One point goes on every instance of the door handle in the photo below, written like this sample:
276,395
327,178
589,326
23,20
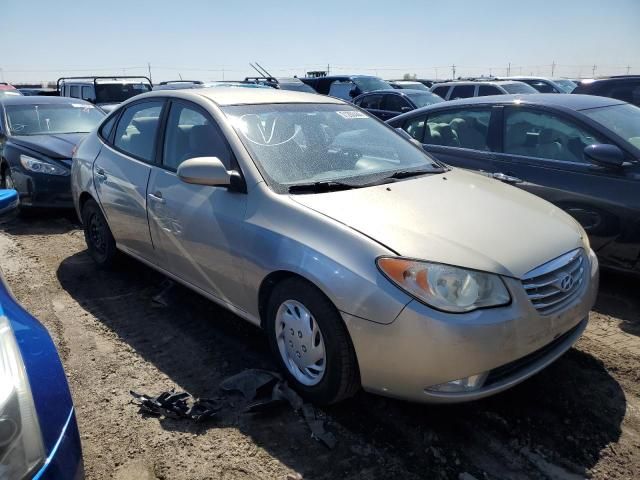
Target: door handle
101,173
503,177
156,197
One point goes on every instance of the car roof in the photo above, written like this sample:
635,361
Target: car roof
568,101
246,96
477,82
40,100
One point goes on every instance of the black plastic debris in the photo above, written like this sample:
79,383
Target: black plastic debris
174,404
261,390
161,299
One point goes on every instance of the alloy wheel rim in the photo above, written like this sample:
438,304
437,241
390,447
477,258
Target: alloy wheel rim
300,342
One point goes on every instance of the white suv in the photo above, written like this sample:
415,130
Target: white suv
106,92
456,90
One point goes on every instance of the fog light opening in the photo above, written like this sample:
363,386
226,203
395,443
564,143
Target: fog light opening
461,385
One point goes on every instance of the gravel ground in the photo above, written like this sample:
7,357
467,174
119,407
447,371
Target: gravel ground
578,418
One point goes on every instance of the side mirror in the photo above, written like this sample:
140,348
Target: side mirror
8,201
353,93
605,155
204,171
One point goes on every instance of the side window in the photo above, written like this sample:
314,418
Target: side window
372,102
190,134
74,91
107,127
462,91
415,127
441,91
485,90
136,131
395,103
545,135
542,87
467,128
87,93
627,92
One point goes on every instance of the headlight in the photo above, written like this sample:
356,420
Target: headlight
21,448
444,287
41,166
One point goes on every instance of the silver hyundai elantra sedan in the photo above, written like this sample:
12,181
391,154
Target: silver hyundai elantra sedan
368,263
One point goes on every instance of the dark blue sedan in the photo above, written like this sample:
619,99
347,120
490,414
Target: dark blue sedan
579,152
37,138
386,104
38,432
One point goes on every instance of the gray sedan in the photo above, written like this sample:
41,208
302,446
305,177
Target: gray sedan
368,263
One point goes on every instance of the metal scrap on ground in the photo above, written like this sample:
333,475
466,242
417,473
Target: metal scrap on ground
261,390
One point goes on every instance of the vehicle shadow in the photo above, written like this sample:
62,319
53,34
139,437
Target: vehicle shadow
41,222
619,297
567,414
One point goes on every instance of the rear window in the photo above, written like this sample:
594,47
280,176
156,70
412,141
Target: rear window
424,99
441,91
463,91
119,92
368,84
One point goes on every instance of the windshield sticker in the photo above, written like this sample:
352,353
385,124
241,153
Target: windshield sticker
351,114
82,105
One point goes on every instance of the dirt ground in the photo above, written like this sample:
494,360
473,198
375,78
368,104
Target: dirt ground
578,418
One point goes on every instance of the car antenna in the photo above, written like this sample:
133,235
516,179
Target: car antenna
256,69
264,70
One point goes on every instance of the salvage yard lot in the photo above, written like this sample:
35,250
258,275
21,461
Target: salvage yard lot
578,418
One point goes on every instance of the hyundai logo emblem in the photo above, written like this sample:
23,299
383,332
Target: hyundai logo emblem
566,282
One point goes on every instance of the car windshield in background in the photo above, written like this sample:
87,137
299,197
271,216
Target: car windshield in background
295,144
296,86
518,88
368,84
52,118
413,85
424,99
10,93
119,92
566,85
621,119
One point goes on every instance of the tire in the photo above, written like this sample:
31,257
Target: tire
295,305
97,234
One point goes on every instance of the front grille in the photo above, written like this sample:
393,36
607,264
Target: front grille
554,284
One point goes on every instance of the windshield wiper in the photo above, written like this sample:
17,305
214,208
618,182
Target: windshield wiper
411,173
319,187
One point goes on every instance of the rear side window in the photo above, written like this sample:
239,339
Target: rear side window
395,103
373,102
137,128
486,90
441,91
627,92
74,91
107,128
545,135
190,134
87,93
463,91
468,128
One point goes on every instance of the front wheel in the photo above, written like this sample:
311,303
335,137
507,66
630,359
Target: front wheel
97,235
309,338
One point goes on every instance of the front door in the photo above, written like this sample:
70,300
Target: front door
545,151
196,229
121,174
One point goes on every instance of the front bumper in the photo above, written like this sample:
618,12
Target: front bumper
423,347
39,190
64,459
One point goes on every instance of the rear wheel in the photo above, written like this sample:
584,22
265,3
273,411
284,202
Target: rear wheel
310,341
98,236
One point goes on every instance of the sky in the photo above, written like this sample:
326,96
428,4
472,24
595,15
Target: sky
212,40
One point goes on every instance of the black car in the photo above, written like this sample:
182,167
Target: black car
624,87
37,137
580,152
386,104
346,87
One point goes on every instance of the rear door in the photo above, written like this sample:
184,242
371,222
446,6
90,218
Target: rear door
462,137
196,229
544,150
121,173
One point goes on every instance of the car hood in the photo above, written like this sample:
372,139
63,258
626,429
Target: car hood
59,146
458,218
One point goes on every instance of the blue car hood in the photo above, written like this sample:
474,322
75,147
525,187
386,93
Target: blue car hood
58,146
